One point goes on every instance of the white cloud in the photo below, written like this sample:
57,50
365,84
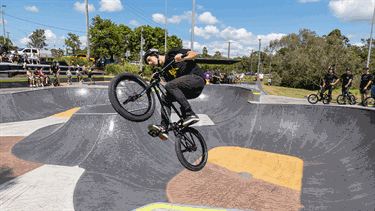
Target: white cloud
232,33
351,36
197,47
160,18
206,32
110,6
52,39
359,44
174,19
200,7
24,41
81,7
32,9
5,22
265,39
304,1
353,11
83,40
134,23
207,18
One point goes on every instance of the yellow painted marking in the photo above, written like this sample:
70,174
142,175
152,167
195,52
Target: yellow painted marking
275,168
68,113
256,93
175,207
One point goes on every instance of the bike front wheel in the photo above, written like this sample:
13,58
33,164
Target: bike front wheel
353,100
128,96
342,99
369,102
313,98
191,149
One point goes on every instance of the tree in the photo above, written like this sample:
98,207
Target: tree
73,42
8,44
107,38
37,39
57,52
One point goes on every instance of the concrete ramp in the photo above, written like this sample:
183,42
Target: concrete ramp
126,169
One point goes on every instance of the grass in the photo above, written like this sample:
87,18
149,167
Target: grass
301,93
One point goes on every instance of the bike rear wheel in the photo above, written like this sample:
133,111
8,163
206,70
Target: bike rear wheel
353,100
122,93
191,149
369,102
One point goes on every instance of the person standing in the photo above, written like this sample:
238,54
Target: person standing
328,83
347,79
207,76
364,87
55,70
69,74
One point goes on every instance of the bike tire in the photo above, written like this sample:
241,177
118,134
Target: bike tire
341,99
180,142
116,104
369,102
325,99
353,100
313,98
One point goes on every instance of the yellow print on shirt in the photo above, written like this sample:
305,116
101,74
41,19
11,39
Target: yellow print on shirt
173,72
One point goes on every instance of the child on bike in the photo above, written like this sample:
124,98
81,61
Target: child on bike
328,83
347,79
185,80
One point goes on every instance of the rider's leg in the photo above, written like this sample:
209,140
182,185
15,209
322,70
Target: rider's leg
322,92
330,93
184,88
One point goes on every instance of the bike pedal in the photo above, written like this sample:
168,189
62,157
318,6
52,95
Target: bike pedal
153,133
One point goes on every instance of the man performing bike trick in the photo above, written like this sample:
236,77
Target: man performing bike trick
328,83
185,80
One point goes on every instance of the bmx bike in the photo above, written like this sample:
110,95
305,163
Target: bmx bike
369,102
139,105
314,98
346,98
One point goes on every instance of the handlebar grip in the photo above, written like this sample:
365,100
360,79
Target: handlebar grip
184,55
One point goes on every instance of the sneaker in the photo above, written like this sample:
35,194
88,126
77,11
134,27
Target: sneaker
163,134
191,119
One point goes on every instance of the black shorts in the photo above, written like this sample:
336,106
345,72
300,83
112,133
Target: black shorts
364,91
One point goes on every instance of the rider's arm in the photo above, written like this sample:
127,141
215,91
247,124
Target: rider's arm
191,55
350,80
336,81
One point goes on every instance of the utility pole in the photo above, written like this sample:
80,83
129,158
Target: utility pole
251,62
259,57
141,53
369,49
165,45
228,49
87,31
2,14
192,26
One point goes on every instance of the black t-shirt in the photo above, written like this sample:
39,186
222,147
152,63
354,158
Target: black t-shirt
179,69
54,68
330,78
365,78
345,79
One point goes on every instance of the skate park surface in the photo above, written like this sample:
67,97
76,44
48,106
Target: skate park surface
74,152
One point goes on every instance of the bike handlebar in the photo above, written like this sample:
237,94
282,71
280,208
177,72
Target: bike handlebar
157,73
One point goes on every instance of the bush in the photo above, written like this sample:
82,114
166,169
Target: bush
114,69
76,61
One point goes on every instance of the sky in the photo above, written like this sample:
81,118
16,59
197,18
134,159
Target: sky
240,22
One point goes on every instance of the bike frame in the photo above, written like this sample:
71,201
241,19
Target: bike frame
154,83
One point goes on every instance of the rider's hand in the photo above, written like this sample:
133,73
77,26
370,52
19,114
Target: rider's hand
332,84
178,58
346,86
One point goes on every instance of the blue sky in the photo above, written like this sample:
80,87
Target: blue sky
217,22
